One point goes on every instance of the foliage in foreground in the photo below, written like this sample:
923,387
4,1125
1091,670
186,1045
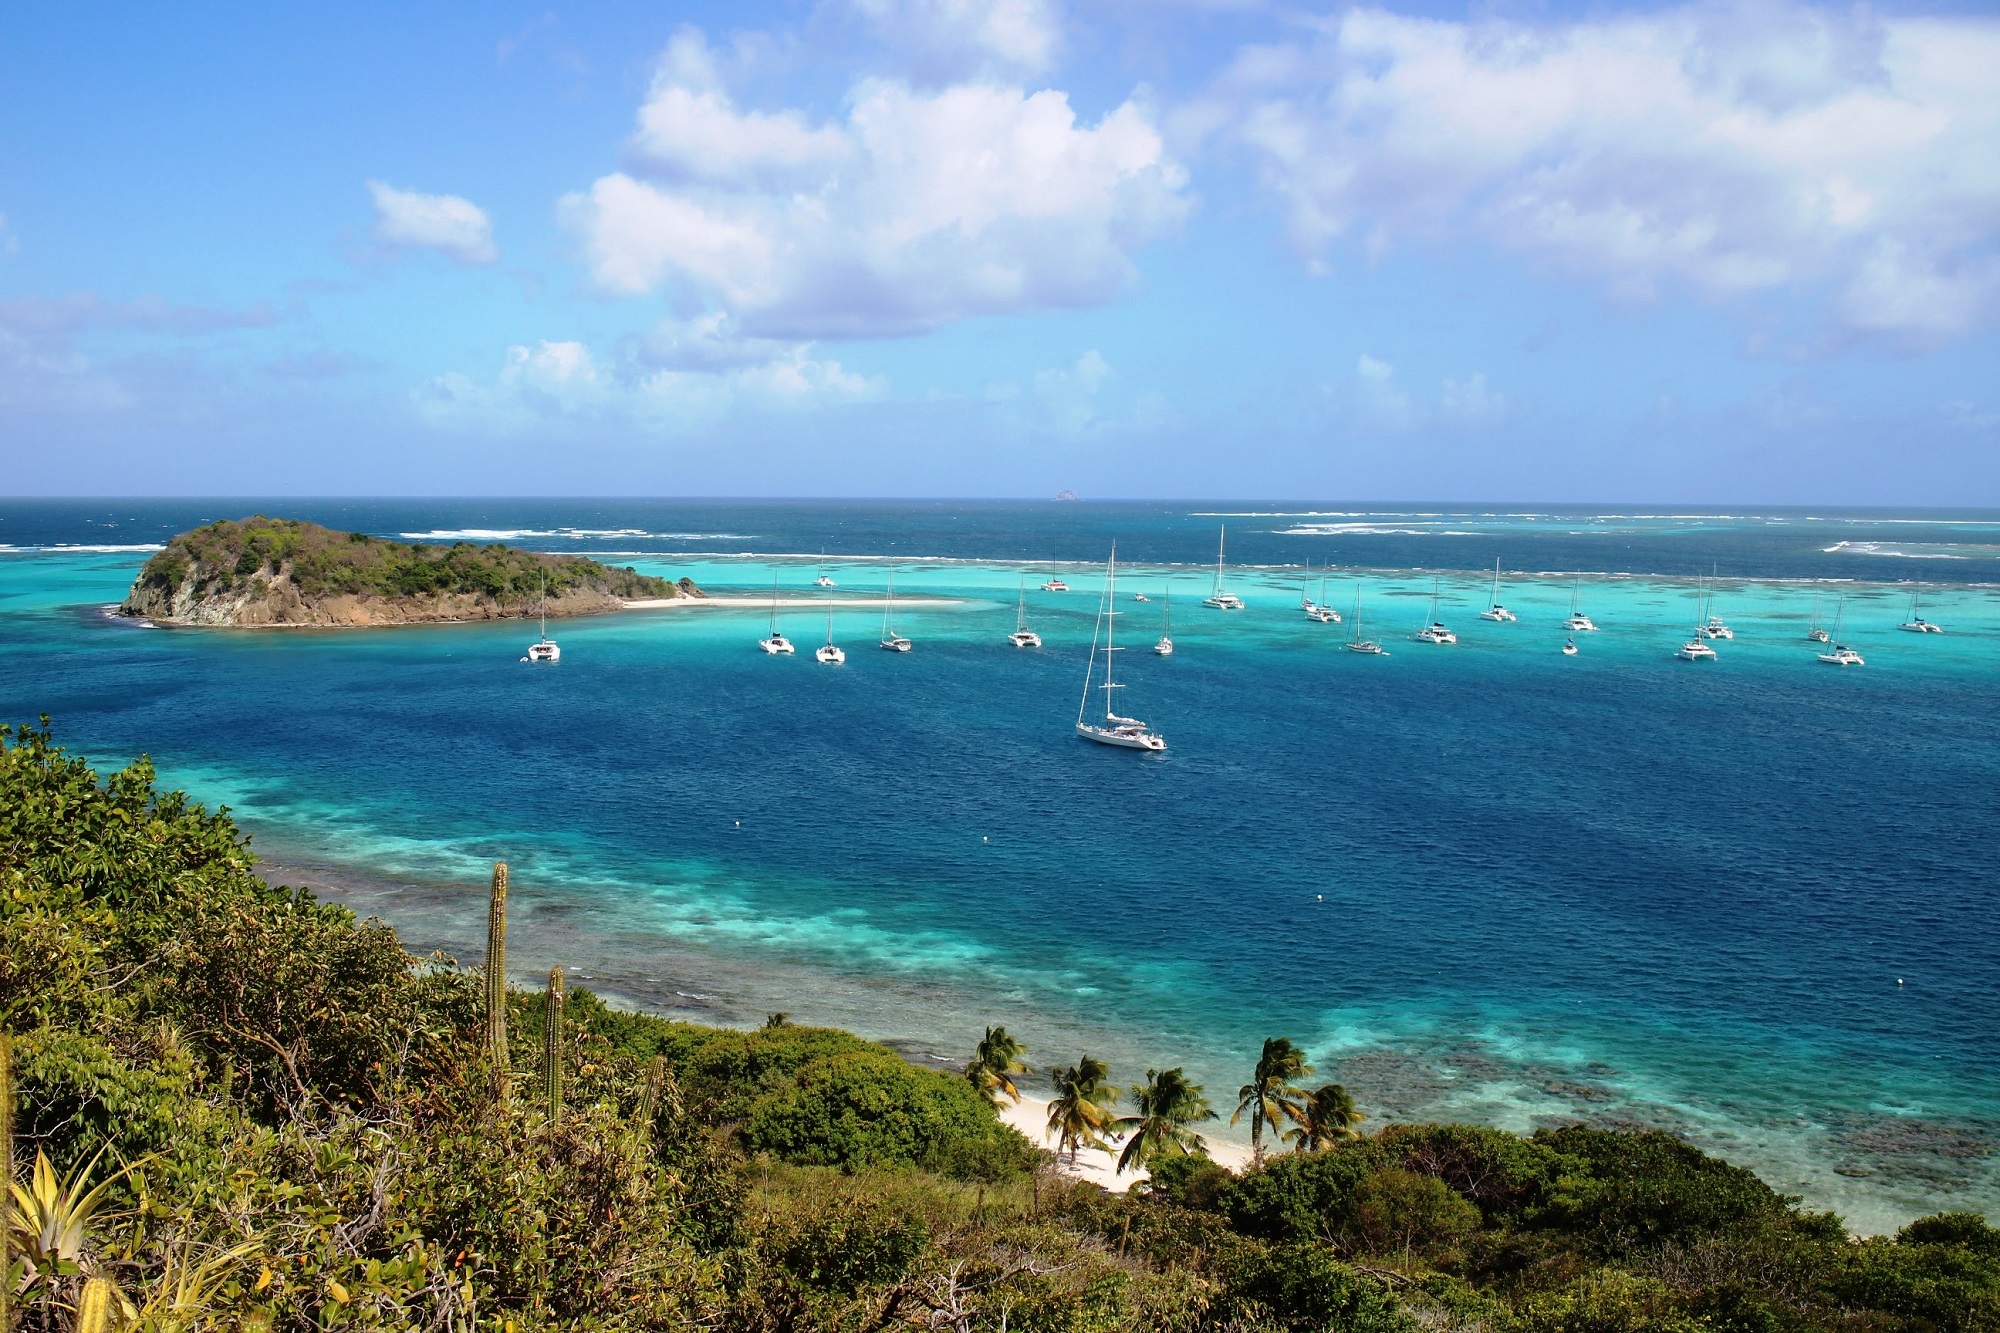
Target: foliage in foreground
291,1124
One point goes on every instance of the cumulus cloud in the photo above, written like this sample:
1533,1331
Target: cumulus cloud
953,38
917,208
409,220
555,381
1729,147
1373,397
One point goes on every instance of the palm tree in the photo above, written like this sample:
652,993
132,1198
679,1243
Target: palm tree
994,1064
1330,1117
1271,1096
1081,1111
1167,1105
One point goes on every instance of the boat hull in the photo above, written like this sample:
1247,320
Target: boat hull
1121,738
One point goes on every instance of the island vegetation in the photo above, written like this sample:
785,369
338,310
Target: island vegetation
234,1107
280,571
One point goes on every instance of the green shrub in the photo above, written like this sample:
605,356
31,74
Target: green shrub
1398,1210
868,1108
1630,1191
1301,1196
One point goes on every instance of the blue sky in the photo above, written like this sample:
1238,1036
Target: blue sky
1714,252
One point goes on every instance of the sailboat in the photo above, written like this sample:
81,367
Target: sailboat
1569,647
545,649
1023,637
1357,644
1713,628
1696,649
830,654
1125,732
891,640
1435,632
1221,599
1496,612
1578,622
1055,584
1916,624
1815,633
823,581
1306,603
1839,654
1323,613
1165,647
776,643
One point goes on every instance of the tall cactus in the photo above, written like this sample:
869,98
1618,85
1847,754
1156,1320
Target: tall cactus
649,1100
6,1174
552,1036
496,982
93,1307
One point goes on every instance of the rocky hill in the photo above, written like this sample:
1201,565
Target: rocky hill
277,571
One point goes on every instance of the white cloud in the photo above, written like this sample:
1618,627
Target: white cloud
1373,368
1730,147
952,38
556,381
916,209
406,219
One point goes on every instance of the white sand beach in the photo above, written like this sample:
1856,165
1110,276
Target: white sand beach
1030,1115
764,603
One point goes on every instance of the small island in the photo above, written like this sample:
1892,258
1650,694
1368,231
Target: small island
260,572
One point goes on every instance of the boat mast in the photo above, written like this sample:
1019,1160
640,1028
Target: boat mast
1494,603
545,603
1110,628
1221,542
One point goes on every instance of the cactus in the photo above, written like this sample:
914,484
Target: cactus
6,1175
552,1062
93,1307
496,982
649,1100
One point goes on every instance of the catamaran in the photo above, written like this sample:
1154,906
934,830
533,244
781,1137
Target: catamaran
1165,647
1435,632
1696,649
1023,637
1323,613
1222,599
1839,654
1916,624
828,653
1578,622
544,650
823,581
1496,612
776,643
1125,732
1357,644
892,641
1055,585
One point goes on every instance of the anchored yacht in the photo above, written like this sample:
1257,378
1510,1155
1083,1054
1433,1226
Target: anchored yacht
1496,612
1055,585
1023,637
1839,654
1127,733
892,641
823,581
1696,649
1222,599
1916,624
1569,647
1165,647
1357,644
545,650
776,643
1578,622
828,653
1814,632
1435,632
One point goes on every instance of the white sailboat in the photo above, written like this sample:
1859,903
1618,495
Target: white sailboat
1357,644
1496,612
1055,584
1323,613
1435,632
892,641
776,643
1713,628
1916,624
1165,647
1839,654
1696,649
1125,732
1306,603
823,581
544,649
1569,647
1578,622
829,653
1023,637
1222,599
1815,632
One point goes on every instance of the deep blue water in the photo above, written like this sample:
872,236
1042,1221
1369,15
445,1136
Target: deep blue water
1489,881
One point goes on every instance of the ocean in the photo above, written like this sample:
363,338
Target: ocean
1752,901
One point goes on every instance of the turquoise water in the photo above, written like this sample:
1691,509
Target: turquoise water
1488,882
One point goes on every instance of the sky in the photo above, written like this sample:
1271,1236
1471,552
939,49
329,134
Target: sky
1728,252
